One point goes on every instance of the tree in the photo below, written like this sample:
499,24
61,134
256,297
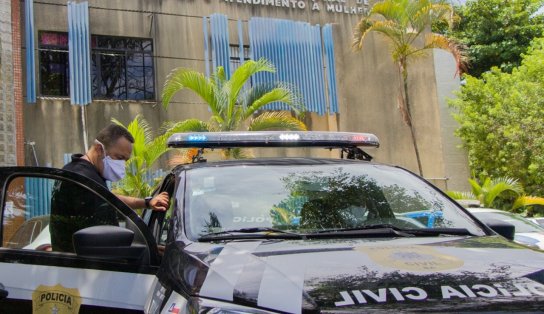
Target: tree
146,151
232,103
500,117
497,32
405,24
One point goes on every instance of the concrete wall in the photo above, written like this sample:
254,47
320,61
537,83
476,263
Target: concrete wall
367,80
455,157
8,149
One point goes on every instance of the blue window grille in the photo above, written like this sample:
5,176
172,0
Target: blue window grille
30,53
79,53
303,55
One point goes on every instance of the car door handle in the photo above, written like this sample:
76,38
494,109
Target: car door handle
3,292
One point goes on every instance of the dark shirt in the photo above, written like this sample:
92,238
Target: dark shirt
85,168
74,207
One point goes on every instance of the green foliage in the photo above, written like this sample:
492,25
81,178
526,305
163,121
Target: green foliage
500,118
146,151
487,190
497,32
504,193
233,104
405,25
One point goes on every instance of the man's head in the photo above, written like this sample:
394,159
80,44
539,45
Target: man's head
112,147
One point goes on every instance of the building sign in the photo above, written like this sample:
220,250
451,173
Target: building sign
330,6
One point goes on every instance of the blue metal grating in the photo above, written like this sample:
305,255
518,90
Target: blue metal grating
79,53
219,31
38,196
295,48
30,53
303,55
206,45
328,45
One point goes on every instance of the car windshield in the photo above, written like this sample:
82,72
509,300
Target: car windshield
522,225
313,198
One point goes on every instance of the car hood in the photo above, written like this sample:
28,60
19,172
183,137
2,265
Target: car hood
419,274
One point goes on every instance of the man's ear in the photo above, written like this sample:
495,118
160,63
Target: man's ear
98,148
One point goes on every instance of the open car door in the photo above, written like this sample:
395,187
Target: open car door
112,265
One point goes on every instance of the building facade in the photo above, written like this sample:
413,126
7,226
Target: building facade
133,45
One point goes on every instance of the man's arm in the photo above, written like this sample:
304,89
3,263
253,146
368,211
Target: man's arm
159,202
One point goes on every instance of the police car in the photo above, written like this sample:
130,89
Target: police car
269,235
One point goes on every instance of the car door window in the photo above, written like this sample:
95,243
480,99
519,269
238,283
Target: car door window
158,222
43,213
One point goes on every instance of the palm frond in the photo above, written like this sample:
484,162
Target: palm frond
264,94
457,195
182,78
430,12
135,164
157,148
276,121
439,41
237,153
526,200
189,125
389,10
476,188
443,12
284,215
403,22
140,130
166,126
489,189
403,51
360,31
387,28
219,76
241,76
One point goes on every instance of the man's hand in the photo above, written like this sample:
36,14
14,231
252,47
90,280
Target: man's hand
160,202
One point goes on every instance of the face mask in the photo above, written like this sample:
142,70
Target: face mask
114,169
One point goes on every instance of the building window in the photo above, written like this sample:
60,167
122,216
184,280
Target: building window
235,56
121,67
54,72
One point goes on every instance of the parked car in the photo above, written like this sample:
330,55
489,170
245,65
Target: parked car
527,232
537,220
271,235
32,234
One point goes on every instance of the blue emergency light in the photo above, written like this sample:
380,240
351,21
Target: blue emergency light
273,139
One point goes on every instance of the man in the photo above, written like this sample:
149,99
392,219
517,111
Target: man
74,208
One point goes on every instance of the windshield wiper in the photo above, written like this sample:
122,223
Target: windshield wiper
256,232
369,230
402,231
440,231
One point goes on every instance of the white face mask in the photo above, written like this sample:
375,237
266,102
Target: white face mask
114,169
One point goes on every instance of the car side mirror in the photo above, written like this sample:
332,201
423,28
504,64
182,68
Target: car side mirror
503,228
107,242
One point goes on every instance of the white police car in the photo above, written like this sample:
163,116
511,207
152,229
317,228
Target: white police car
272,235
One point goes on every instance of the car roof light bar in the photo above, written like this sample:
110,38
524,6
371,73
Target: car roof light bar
236,139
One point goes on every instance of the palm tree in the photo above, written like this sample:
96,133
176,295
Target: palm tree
405,24
232,103
146,151
487,190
